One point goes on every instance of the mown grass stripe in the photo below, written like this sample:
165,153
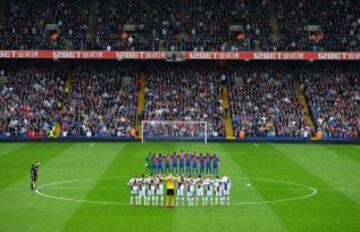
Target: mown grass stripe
333,167
128,162
76,162
6,148
275,164
18,162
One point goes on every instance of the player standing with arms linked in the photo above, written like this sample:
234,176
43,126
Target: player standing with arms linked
134,191
170,191
34,174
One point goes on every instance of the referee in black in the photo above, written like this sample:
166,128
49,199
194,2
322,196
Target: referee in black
34,174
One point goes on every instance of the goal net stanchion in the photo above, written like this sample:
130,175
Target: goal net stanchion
174,130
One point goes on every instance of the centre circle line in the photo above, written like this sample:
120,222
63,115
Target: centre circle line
314,191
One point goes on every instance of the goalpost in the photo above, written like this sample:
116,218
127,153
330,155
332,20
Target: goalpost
173,130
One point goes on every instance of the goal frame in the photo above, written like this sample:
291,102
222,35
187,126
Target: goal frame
173,122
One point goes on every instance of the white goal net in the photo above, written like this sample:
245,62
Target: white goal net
174,130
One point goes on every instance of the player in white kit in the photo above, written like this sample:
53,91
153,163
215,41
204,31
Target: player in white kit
180,191
142,192
208,183
134,191
218,190
159,190
199,190
226,186
190,190
151,190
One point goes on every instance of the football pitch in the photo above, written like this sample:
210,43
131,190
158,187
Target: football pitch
275,187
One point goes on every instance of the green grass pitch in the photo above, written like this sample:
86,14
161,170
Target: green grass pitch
293,187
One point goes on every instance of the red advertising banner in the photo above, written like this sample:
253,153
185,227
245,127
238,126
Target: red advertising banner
188,55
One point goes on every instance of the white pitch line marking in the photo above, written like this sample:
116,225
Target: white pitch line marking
314,191
91,145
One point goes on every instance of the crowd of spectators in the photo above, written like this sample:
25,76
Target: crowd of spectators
339,21
185,93
202,25
25,23
154,20
207,25
263,103
334,100
199,25
30,99
102,102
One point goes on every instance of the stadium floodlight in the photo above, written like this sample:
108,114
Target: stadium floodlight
174,130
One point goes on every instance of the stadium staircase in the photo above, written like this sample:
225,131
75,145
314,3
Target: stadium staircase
274,21
140,105
68,82
67,89
90,34
57,130
301,97
228,125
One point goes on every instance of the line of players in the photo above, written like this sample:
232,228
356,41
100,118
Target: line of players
191,191
182,163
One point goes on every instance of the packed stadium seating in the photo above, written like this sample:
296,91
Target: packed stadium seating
25,24
261,100
180,25
101,99
30,100
339,21
334,100
184,93
264,103
102,102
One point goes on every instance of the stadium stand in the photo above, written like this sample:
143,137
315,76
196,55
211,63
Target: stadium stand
101,103
183,93
30,100
334,100
264,103
149,25
29,24
102,99
339,23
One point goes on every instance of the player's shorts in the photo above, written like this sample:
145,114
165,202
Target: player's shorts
180,192
151,190
160,191
34,177
189,193
209,193
218,193
142,193
170,192
134,190
199,192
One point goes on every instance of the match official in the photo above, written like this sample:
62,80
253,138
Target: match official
34,174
